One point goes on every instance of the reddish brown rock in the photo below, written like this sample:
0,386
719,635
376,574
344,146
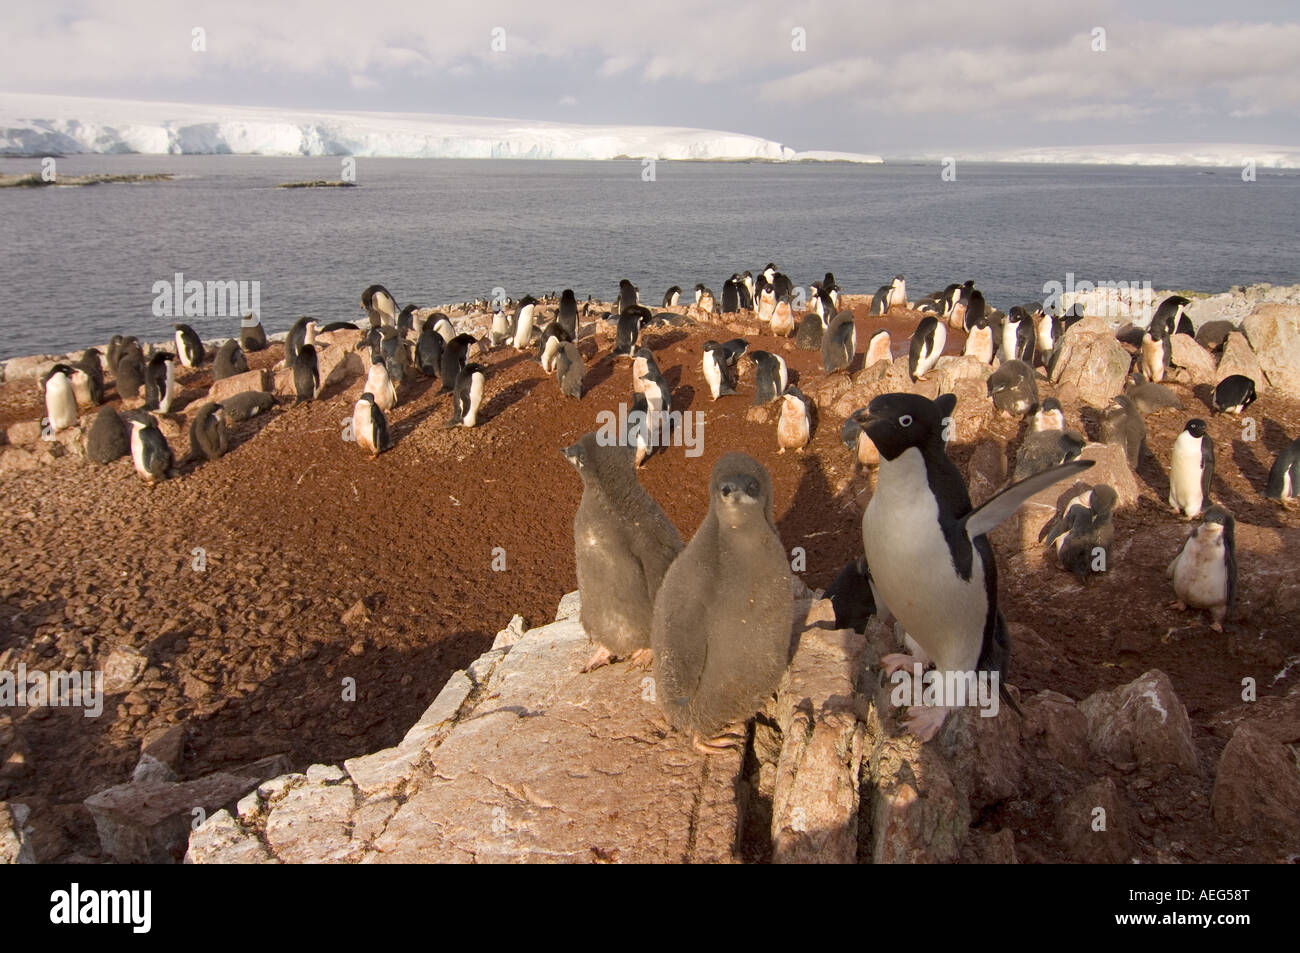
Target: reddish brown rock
1257,790
1142,722
257,380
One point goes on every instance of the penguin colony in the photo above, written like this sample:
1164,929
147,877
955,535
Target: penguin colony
712,616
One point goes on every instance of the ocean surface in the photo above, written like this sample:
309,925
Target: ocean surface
78,265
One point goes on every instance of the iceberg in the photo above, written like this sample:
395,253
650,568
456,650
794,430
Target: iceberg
45,125
1204,154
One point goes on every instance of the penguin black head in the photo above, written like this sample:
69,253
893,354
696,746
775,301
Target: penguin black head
1104,499
369,397
898,422
1196,427
60,369
1221,515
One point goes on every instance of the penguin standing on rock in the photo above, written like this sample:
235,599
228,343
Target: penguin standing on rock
1013,389
704,299
723,614
811,331
1204,572
1171,318
60,400
252,336
1018,336
370,426
623,544
1284,476
627,295
1047,444
525,315
1191,469
926,347
840,343
879,348
302,333
979,342
855,438
188,346
672,297
931,562
149,451
92,371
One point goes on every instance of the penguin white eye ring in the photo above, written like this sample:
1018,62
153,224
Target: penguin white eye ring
905,420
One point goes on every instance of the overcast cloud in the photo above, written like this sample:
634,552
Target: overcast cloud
903,79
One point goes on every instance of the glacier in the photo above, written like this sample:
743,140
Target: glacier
1202,154
62,125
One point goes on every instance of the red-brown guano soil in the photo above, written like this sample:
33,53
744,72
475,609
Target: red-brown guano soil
298,526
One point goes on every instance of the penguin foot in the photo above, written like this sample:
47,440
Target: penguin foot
1178,605
641,658
894,661
600,659
924,722
1216,626
722,743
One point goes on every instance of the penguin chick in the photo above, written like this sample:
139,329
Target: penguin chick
722,617
1122,426
793,427
623,545
1084,536
1204,573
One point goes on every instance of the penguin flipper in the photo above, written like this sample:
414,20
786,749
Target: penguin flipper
981,521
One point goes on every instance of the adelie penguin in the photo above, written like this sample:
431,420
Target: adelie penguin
719,364
770,376
500,331
302,333
1047,444
840,343
1284,476
1171,317
647,380
454,356
128,372
623,545
548,345
380,306
627,295
704,299
1191,469
188,346
60,400
1084,534
1233,394
931,562
1156,354
209,436
783,318
811,331
731,295
160,390
1122,425
406,320
568,313
468,398
378,384
569,370
850,596
1018,336
879,348
523,323
722,616
306,374
370,426
630,323
926,347
149,451
979,342
1204,573
428,351
672,297
794,426
229,361
252,336
88,378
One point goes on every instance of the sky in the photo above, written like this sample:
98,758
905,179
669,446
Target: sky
904,78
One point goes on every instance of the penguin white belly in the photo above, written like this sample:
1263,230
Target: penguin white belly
912,569
137,453
60,403
500,328
1009,340
1201,574
81,387
1185,477
548,356
524,333
712,374
782,374
475,399
362,432
931,354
